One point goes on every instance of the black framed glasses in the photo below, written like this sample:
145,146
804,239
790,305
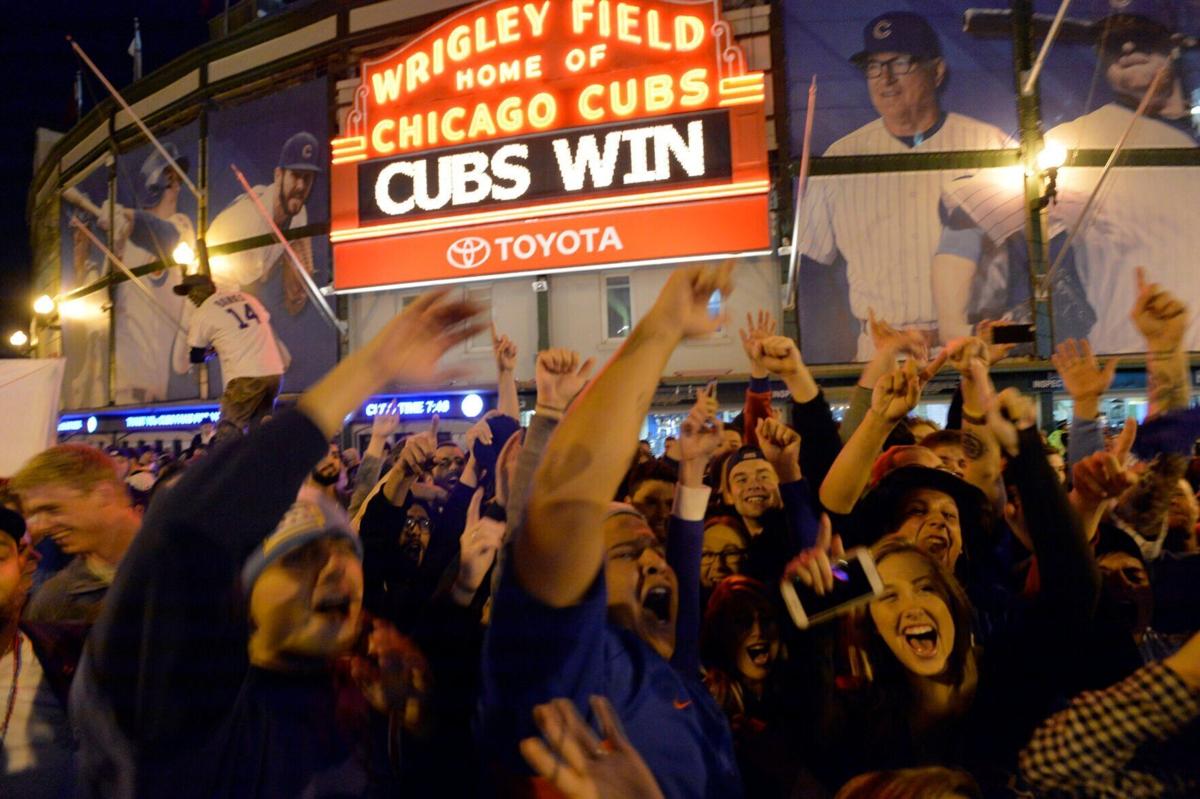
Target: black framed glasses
898,65
730,557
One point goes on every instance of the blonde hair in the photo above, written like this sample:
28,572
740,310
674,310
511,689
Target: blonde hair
69,465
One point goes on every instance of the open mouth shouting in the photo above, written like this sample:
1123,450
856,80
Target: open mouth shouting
759,653
656,601
922,639
334,606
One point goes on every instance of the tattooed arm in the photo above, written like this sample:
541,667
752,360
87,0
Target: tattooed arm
1162,319
560,551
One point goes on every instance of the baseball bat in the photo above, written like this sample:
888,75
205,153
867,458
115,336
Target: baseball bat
80,200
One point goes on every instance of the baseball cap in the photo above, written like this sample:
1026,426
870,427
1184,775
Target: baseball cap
197,279
301,153
12,523
1130,12
899,32
310,517
154,170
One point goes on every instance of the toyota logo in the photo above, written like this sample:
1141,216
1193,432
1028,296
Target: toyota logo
468,253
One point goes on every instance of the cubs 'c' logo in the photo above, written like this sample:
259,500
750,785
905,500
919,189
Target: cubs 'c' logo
306,151
882,29
468,252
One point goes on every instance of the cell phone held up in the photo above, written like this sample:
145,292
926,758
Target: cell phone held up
1012,333
855,582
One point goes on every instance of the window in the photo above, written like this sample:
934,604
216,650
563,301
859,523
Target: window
618,307
481,341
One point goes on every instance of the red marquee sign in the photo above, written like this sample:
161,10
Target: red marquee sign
514,137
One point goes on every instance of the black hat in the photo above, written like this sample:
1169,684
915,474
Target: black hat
876,513
899,32
197,279
12,523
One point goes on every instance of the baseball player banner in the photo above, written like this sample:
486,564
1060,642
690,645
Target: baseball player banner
1095,78
892,69
84,320
154,214
278,142
895,78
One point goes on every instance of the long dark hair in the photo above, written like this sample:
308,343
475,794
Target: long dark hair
888,684
736,603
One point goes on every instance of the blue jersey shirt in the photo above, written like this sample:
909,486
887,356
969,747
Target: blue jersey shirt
534,653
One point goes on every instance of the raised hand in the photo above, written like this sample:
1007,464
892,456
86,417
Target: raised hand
1103,476
1008,412
896,394
780,444
894,341
1082,375
392,671
757,330
780,356
504,350
681,309
560,377
477,547
418,452
386,422
581,765
481,431
700,432
995,352
814,567
409,348
1159,315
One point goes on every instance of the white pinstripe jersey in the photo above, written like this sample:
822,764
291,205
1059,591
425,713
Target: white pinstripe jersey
886,225
1143,216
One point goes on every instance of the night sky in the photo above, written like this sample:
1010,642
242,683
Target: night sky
39,73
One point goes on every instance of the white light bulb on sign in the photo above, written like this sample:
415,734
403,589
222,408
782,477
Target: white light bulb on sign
43,305
1052,156
472,405
92,424
18,338
183,254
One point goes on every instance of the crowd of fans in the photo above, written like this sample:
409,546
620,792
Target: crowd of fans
552,610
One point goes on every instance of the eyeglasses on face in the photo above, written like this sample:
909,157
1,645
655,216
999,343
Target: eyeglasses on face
899,65
730,556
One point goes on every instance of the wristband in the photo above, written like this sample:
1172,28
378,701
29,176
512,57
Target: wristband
979,421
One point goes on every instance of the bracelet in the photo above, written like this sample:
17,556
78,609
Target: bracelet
973,419
549,409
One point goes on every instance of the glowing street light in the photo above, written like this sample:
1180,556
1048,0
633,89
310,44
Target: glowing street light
43,305
1052,156
18,339
183,254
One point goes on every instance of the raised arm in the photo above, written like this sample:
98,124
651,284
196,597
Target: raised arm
1162,319
758,393
699,438
889,343
894,397
558,556
382,427
170,650
505,351
1086,381
1088,748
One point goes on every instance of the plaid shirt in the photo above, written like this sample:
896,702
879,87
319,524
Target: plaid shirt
1086,750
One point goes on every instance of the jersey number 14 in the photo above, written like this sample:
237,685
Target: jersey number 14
250,315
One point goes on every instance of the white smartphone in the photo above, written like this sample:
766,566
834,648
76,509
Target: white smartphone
855,582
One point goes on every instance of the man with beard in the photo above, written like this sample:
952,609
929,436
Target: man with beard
589,603
407,541
71,494
326,477
285,197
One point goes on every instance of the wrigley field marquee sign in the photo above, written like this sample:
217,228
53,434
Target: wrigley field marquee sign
522,137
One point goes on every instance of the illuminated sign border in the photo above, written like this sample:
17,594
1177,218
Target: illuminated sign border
731,87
